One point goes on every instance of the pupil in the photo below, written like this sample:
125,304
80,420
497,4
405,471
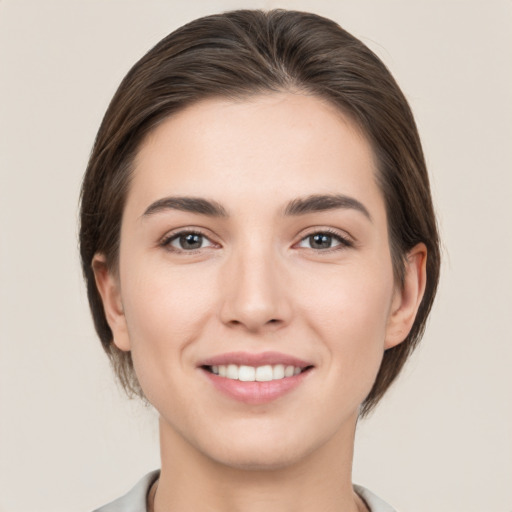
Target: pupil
321,241
191,241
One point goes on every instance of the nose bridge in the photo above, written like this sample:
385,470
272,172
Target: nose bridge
255,294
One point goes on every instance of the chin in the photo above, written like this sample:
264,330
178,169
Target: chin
261,451
257,459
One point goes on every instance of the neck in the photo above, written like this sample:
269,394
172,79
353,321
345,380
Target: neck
190,480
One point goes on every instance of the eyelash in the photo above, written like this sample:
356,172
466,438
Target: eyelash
344,242
167,240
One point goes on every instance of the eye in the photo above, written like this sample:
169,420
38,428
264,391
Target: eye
323,240
187,241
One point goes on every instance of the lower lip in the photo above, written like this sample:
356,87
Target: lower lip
255,393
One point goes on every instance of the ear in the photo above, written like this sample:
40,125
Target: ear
107,283
407,299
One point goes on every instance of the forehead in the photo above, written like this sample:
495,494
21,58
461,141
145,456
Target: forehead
277,145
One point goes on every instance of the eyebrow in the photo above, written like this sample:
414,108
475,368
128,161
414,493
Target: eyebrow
299,206
187,204
324,202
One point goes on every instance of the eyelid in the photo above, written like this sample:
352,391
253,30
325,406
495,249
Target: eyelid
170,236
345,240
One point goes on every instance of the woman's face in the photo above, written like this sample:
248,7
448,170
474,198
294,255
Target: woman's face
254,245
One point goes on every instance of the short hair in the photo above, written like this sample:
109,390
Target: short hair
241,53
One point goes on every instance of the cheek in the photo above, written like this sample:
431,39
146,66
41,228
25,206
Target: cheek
351,316
354,298
165,310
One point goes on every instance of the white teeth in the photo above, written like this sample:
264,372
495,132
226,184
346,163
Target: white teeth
247,373
264,373
232,371
260,374
288,371
278,371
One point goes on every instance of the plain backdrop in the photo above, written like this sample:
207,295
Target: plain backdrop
69,440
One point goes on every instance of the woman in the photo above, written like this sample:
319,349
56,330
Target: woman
261,255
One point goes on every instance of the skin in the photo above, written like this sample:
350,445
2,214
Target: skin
257,283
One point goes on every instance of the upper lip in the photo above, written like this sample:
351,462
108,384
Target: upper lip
255,359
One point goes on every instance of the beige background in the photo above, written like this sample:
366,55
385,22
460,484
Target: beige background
69,441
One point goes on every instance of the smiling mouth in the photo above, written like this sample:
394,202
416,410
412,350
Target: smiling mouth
263,373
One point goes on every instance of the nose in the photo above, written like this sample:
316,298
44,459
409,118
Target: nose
255,296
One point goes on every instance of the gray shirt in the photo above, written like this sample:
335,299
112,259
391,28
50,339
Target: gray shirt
135,500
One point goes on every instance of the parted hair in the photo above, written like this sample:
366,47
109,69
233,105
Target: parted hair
235,55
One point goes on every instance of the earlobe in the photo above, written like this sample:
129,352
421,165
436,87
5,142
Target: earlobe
108,287
408,298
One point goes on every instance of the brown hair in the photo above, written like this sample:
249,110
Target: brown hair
245,52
